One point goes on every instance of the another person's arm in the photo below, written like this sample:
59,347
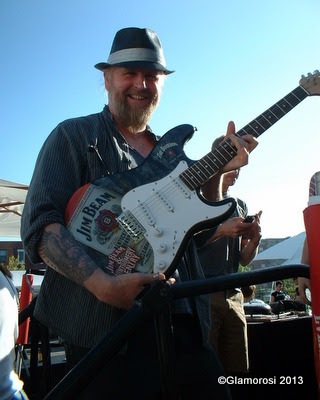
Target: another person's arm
211,190
250,242
304,283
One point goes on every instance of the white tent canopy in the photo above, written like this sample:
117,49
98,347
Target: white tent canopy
12,199
289,250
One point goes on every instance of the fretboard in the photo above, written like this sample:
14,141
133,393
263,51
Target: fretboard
199,172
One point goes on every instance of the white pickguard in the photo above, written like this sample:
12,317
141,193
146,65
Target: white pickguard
167,210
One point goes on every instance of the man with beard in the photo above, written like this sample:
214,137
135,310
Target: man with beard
79,300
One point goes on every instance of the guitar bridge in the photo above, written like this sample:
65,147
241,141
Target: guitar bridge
132,226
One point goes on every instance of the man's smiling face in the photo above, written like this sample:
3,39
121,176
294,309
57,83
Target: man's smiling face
133,94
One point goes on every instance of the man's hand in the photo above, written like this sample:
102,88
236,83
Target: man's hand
254,231
119,291
233,227
244,146
304,284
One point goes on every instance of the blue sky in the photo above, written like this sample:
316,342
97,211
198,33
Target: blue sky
233,60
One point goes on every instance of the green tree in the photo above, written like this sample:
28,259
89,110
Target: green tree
244,268
289,287
14,265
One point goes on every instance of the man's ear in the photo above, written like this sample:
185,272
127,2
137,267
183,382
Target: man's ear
106,79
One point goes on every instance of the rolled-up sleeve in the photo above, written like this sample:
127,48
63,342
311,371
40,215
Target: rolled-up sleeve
60,170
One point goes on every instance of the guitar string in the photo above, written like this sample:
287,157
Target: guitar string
155,200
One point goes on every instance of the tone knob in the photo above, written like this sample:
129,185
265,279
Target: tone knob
161,266
162,248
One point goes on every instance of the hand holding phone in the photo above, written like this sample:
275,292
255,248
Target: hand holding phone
249,219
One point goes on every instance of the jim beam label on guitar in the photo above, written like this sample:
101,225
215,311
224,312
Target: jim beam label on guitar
94,223
168,150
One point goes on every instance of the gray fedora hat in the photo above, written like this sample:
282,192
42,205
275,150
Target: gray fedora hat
136,48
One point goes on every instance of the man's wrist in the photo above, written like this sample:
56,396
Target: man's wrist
98,284
255,241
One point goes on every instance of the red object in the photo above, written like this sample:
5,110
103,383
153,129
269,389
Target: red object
312,224
25,298
74,201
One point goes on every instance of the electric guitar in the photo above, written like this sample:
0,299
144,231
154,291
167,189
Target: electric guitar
142,219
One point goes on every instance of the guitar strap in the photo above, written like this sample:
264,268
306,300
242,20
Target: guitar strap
242,208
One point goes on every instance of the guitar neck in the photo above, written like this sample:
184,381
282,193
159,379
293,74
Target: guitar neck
199,172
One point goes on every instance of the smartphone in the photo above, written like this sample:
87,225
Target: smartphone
249,219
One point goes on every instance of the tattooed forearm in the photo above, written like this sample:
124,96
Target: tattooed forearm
60,251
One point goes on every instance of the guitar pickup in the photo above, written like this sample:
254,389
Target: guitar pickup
131,226
165,202
148,216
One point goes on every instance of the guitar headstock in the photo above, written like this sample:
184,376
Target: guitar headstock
311,83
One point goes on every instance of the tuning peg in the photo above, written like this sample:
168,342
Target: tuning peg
302,76
309,74
316,72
